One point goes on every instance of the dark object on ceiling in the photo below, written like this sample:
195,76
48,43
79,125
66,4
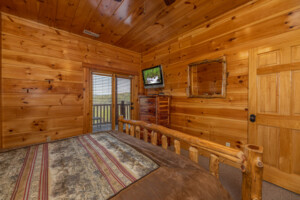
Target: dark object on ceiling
169,2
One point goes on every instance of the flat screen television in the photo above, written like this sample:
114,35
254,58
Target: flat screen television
153,77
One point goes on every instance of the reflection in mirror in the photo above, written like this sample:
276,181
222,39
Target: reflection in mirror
207,78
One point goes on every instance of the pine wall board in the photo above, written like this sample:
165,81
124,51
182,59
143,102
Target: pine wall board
232,35
43,80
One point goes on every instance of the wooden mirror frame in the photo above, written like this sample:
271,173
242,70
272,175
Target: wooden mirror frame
224,78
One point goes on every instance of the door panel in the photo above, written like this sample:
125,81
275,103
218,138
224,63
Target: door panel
296,151
274,97
267,93
102,102
296,53
268,58
296,92
268,137
285,93
123,98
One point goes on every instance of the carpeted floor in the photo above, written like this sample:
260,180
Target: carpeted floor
231,179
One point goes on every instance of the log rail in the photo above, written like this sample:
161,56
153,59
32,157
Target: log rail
250,159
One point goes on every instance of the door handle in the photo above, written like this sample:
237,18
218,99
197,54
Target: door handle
252,118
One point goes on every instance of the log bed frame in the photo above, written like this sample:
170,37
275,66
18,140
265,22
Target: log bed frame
250,159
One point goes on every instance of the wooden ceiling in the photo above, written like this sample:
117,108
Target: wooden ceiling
133,24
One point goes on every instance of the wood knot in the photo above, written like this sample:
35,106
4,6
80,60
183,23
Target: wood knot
243,168
259,163
253,147
59,77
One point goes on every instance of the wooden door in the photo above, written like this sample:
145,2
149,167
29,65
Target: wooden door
102,102
123,98
89,110
274,98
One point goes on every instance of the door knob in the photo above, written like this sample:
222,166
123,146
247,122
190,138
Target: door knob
252,118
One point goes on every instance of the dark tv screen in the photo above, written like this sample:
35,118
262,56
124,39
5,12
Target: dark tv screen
153,77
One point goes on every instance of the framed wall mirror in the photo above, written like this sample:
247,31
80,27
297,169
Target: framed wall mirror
207,78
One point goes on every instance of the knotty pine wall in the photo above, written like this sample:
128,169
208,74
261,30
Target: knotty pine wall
43,80
232,35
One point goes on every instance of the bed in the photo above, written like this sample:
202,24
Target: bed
115,165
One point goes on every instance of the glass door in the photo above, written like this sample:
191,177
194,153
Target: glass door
102,102
123,98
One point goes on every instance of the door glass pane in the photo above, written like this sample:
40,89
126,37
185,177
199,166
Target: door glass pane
102,102
123,98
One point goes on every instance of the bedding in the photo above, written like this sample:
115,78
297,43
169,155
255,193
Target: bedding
103,166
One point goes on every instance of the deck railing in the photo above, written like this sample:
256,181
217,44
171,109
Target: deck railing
102,113
124,110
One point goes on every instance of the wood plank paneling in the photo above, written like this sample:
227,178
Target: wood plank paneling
234,35
43,89
25,139
231,35
40,87
1,110
18,126
132,24
21,112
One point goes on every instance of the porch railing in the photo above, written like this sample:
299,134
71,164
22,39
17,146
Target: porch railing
102,113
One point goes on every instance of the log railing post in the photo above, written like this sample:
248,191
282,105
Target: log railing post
214,165
120,125
132,130
177,147
193,153
252,176
138,132
250,159
164,141
127,129
145,135
153,138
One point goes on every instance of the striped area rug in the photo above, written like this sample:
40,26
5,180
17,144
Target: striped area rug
93,166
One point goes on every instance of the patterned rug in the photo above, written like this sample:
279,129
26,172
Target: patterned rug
93,166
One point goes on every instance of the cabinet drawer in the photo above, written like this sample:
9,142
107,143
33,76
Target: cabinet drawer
147,101
147,110
148,118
